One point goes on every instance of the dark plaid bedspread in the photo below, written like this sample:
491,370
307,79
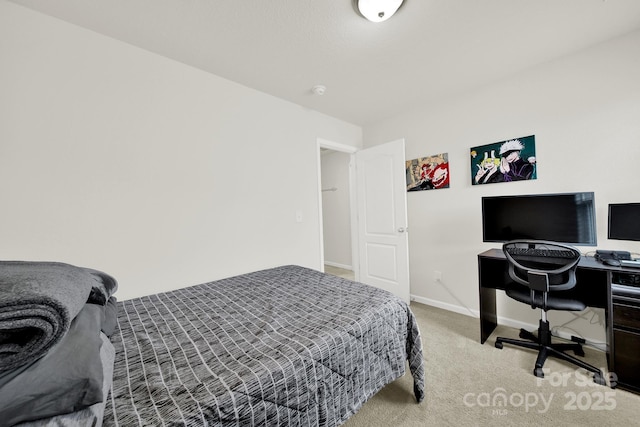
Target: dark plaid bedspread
287,346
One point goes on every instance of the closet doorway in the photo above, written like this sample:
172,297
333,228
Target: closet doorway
378,215
335,168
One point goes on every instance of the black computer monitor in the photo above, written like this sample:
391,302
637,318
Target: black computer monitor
624,221
566,218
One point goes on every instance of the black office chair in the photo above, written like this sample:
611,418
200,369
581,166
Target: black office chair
545,269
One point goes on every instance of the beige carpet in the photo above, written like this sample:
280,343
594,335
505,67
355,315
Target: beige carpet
340,272
465,380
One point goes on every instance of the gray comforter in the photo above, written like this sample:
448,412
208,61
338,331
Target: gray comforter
287,346
38,301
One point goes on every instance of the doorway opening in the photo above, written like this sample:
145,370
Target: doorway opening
378,215
336,203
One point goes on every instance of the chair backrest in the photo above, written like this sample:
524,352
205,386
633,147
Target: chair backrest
541,265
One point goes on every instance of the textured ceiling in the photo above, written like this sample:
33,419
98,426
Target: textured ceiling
430,50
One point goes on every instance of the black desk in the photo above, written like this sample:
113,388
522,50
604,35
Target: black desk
594,287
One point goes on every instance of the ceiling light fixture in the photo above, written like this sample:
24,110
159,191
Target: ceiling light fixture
378,10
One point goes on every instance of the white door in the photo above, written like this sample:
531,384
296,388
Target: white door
383,247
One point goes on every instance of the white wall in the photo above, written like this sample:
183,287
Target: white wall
160,174
336,209
164,176
584,111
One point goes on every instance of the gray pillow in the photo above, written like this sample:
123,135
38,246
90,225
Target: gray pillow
68,378
110,321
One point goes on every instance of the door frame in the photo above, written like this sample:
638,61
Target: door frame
351,150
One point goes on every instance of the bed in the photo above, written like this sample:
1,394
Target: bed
286,346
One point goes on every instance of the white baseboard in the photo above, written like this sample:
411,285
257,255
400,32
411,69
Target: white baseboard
501,320
446,306
338,265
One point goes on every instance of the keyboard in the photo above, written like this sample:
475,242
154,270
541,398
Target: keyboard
539,252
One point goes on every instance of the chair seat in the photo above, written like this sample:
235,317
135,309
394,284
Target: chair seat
523,295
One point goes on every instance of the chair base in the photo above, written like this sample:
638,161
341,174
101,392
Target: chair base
546,348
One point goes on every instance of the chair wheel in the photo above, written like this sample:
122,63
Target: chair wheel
499,345
578,339
538,372
579,352
599,379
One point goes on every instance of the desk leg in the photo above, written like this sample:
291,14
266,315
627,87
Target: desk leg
488,316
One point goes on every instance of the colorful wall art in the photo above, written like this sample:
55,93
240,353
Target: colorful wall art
428,173
504,161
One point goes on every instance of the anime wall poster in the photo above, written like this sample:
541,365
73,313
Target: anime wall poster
504,161
428,173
